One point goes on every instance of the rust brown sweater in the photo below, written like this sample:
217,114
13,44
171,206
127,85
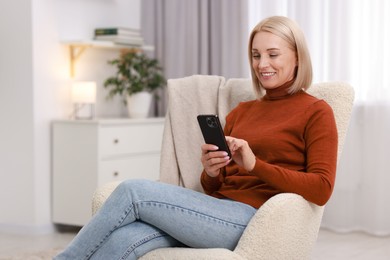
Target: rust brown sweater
294,138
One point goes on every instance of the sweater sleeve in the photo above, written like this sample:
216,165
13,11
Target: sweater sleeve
210,184
316,183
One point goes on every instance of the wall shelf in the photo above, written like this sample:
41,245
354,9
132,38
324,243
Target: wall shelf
76,48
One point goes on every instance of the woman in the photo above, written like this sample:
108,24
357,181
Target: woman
285,141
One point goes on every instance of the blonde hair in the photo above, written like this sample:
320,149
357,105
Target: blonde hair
289,31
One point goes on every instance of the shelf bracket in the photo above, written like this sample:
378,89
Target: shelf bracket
75,53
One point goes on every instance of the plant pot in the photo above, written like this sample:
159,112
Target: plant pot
138,104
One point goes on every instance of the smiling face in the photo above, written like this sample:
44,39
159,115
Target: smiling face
273,60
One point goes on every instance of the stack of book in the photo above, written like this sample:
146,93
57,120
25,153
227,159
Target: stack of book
120,35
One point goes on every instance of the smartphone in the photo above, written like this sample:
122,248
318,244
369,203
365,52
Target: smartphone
212,132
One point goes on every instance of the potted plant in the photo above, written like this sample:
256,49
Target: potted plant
137,78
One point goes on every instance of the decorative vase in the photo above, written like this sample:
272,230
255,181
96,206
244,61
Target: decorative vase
138,104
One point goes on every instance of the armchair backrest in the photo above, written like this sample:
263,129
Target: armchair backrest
201,94
340,96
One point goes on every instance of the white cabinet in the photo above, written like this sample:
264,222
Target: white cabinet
89,153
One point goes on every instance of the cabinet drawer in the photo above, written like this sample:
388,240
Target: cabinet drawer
122,140
134,167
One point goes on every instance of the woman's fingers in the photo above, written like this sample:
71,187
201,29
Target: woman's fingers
208,147
241,152
213,160
234,144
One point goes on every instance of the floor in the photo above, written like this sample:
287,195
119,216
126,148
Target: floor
15,243
356,246
330,245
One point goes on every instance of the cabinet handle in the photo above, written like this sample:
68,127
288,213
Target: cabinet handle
116,141
116,174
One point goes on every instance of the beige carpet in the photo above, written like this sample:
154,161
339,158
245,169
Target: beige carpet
39,255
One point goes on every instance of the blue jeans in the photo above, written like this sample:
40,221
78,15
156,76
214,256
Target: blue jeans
142,215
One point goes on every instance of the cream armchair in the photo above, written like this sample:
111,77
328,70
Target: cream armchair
286,226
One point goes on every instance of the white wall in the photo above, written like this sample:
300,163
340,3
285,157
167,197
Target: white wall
16,113
34,89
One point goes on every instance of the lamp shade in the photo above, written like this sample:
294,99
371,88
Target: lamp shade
84,92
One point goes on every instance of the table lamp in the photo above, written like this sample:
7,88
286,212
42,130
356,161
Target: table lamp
84,99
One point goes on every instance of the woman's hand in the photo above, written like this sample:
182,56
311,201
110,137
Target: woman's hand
213,160
241,152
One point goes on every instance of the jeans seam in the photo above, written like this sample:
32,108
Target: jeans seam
142,241
173,206
120,221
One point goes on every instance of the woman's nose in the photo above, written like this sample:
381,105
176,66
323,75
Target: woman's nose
263,63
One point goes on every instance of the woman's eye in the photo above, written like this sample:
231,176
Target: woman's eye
273,55
256,56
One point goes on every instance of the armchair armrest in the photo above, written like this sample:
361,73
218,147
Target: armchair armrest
191,254
285,227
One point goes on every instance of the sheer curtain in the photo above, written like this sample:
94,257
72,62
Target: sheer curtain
197,37
349,41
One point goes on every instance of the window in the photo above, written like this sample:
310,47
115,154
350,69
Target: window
349,40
